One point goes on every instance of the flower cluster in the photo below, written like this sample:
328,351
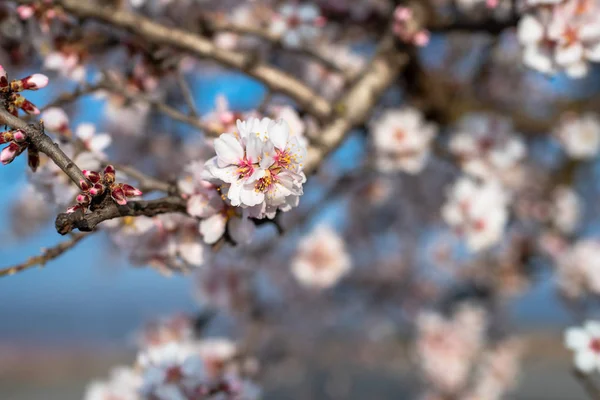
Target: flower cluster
43,11
10,92
259,168
578,269
402,140
102,183
477,211
561,35
408,29
297,23
182,367
487,147
321,259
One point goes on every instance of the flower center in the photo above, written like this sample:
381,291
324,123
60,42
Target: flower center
174,375
245,169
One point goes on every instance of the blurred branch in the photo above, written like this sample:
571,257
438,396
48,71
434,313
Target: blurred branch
588,384
47,255
359,100
146,183
35,134
187,94
200,46
65,223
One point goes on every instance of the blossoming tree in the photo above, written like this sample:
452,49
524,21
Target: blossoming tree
415,164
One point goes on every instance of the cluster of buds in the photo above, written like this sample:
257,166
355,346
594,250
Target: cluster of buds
9,92
408,29
99,184
17,144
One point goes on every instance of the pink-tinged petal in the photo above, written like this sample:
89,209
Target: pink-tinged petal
33,158
9,153
71,210
19,136
229,150
213,228
29,108
118,196
3,77
93,176
109,169
35,82
130,191
25,12
97,189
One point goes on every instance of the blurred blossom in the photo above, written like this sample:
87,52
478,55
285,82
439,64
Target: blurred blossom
477,211
567,209
297,24
579,135
321,259
402,140
486,146
578,269
585,343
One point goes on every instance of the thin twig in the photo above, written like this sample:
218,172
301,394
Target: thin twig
588,384
187,94
47,255
146,183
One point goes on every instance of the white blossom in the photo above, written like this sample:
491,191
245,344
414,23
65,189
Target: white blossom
580,136
585,343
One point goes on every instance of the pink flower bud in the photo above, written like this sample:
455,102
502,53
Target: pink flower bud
118,196
421,38
130,191
84,185
3,77
97,189
403,14
83,199
29,108
93,176
35,82
9,153
109,175
25,12
19,136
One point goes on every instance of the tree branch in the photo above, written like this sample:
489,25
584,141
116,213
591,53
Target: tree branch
35,134
200,46
65,223
47,255
359,101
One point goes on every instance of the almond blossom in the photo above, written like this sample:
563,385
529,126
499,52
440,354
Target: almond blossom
321,259
56,120
67,63
566,210
93,142
402,140
298,24
11,90
580,136
585,343
477,211
259,167
216,214
486,146
561,36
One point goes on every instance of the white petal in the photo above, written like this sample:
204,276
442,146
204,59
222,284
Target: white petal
279,132
213,228
530,30
100,142
576,338
585,361
570,54
228,149
85,131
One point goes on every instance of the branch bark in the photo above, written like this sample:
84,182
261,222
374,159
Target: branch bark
200,46
43,142
65,223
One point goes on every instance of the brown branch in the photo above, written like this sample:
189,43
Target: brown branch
359,101
187,94
588,384
47,255
65,223
200,46
35,134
